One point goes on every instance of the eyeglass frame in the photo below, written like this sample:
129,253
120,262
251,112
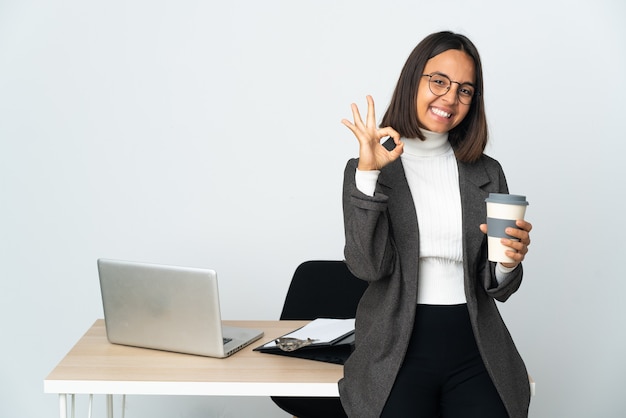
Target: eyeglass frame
430,77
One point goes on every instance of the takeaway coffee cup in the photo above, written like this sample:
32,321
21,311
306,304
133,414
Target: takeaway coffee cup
502,212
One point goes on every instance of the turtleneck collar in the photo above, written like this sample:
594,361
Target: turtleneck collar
435,144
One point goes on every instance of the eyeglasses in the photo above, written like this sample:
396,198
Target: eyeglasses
439,85
292,344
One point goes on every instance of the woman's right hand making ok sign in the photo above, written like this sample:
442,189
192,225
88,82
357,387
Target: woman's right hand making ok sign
372,154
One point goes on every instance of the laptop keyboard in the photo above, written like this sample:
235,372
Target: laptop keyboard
227,340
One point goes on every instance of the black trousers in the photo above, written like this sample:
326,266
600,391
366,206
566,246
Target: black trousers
443,375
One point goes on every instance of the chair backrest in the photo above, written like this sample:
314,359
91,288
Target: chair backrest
322,289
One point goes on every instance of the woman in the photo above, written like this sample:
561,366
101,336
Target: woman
430,341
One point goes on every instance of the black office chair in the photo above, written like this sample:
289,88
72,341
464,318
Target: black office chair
319,289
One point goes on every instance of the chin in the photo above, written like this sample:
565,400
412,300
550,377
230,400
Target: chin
437,129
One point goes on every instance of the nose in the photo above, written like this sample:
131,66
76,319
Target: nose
452,95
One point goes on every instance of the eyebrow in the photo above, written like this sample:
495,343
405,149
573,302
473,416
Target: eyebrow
458,82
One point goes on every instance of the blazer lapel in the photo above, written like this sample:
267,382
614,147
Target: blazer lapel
401,207
472,179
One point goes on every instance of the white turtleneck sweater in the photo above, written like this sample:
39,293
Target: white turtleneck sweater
432,173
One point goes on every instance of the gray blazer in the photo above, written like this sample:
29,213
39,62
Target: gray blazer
382,247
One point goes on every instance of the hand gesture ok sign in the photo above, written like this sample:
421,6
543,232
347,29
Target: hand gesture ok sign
372,155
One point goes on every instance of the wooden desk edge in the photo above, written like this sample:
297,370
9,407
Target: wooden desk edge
58,383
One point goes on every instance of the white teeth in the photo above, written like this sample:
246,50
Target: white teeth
441,113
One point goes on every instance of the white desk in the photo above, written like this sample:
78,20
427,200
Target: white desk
95,366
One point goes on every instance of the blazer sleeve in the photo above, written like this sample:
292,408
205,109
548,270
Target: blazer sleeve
504,290
369,250
500,291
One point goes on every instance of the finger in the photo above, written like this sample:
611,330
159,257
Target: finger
520,234
371,113
483,228
347,122
516,250
398,150
516,257
349,125
526,226
515,246
356,115
389,131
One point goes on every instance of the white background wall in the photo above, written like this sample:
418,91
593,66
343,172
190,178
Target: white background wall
208,134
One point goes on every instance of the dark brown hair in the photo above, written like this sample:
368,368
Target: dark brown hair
469,138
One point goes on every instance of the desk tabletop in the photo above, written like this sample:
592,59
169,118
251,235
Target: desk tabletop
96,366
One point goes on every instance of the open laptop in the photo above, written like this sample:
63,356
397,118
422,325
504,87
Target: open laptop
167,308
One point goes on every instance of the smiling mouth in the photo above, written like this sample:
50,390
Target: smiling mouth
441,113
